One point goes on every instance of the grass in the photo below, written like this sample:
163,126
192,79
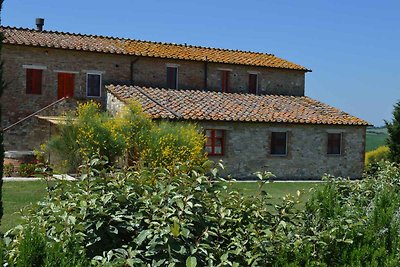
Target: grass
375,138
17,195
277,190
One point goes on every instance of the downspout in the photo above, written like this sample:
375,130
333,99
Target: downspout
131,70
205,74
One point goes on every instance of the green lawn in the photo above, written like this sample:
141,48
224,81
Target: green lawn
375,138
277,190
17,195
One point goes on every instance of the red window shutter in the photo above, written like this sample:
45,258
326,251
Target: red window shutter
224,81
29,81
34,81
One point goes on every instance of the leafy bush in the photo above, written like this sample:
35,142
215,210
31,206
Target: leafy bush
158,219
26,169
8,170
373,157
84,135
379,154
172,143
35,249
162,218
132,134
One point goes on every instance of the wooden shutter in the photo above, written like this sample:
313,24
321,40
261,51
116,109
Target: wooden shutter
224,81
334,143
34,81
253,83
172,73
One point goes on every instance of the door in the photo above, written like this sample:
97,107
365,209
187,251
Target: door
65,85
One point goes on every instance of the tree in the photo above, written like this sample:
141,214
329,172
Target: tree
2,86
393,140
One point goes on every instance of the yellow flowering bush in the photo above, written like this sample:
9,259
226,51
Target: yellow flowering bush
170,144
131,134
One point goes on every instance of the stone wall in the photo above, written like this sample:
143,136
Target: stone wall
191,75
247,149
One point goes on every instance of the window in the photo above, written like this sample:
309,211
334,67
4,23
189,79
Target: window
93,85
253,82
172,77
225,81
334,143
278,143
215,142
34,81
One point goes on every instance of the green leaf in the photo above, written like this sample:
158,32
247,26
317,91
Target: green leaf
98,225
185,232
191,262
142,236
175,229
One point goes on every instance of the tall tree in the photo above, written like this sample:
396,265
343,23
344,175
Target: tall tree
393,140
2,86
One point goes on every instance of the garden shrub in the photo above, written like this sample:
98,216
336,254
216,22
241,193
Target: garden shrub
8,169
85,134
172,143
27,169
155,217
373,157
148,218
131,134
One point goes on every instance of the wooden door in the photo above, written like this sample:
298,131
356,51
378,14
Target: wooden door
65,85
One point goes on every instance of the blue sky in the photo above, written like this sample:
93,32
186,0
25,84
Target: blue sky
351,46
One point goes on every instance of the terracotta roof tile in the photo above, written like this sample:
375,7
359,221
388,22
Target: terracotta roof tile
103,44
204,105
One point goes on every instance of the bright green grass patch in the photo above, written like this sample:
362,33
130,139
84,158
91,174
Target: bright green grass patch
277,190
17,195
375,138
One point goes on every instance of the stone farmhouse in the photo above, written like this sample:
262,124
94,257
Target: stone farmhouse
251,106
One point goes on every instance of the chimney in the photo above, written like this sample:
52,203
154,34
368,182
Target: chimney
39,24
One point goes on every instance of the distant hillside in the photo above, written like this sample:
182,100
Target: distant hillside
376,137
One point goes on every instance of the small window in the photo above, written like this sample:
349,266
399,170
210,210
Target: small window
253,82
278,143
334,143
215,142
34,81
172,77
225,81
93,85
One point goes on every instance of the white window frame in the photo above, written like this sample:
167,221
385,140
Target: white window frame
176,66
87,84
286,144
34,67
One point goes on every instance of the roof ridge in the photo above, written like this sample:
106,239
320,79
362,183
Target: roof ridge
135,40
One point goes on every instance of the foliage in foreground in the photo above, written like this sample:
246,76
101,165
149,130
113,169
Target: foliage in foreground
131,137
143,218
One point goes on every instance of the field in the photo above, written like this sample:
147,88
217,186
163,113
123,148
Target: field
17,195
375,138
